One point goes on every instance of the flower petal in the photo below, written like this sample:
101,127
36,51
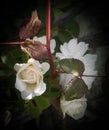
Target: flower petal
60,55
18,66
81,48
52,45
40,39
20,85
26,95
45,67
40,89
75,108
65,78
64,50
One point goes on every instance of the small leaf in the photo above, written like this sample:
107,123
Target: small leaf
68,29
73,66
8,117
54,31
57,12
42,102
75,89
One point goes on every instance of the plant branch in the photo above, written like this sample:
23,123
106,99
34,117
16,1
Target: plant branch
48,33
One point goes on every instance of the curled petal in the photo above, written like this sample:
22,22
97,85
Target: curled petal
26,95
40,89
18,66
75,108
20,85
45,67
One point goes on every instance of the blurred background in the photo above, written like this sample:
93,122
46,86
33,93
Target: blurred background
88,20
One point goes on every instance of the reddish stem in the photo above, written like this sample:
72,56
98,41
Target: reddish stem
12,43
98,76
48,32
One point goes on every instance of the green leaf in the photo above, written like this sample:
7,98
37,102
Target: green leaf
33,110
73,27
71,66
10,57
75,89
62,4
54,31
42,102
68,29
8,117
52,93
57,12
64,36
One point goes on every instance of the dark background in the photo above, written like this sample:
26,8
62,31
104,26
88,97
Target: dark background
12,14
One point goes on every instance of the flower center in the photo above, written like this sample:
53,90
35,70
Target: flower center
29,75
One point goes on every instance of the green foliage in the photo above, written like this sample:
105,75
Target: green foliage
42,102
71,66
75,89
68,30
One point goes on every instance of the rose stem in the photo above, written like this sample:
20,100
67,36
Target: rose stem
12,43
48,32
96,76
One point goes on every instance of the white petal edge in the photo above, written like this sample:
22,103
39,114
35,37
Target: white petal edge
20,85
18,66
52,45
40,39
70,107
45,67
26,95
40,89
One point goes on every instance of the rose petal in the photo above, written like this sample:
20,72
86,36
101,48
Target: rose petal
40,39
26,95
52,45
18,66
64,50
65,78
45,67
40,89
60,55
75,108
20,85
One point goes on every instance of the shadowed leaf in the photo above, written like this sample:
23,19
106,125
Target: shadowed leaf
71,66
75,89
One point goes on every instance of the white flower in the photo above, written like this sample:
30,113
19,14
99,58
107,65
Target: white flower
29,78
72,49
75,108
43,41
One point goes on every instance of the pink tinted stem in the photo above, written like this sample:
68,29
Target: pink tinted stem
12,43
48,34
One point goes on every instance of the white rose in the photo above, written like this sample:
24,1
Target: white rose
76,50
29,78
75,108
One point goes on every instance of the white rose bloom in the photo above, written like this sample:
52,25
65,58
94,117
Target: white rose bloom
72,49
43,41
29,78
75,108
